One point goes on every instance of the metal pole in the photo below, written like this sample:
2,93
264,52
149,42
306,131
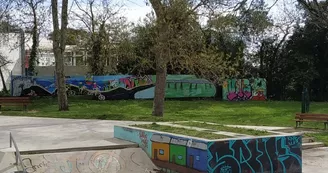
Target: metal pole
303,100
10,140
307,101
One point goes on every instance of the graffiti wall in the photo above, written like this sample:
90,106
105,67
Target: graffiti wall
174,153
275,154
114,87
244,89
168,152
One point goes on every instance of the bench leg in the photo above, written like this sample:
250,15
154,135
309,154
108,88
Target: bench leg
325,126
25,108
297,124
0,107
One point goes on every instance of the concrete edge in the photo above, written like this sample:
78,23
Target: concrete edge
66,150
160,132
209,140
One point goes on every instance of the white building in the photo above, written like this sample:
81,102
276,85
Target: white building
11,49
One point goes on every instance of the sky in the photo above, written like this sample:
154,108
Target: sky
137,9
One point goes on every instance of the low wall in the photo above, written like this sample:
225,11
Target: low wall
244,89
180,153
115,86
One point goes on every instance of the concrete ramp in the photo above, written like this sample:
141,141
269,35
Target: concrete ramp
104,161
6,163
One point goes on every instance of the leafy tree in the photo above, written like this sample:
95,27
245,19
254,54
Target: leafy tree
179,42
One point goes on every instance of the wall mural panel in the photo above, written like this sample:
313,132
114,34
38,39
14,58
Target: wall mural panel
244,89
168,152
174,153
275,154
114,87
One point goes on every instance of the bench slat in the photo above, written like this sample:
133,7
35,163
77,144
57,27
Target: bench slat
16,101
298,114
14,98
324,118
311,120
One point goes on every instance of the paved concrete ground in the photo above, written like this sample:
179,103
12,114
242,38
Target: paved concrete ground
48,133
315,160
105,161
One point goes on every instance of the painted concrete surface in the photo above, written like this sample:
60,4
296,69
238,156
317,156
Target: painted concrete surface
315,160
106,161
49,133
179,153
6,163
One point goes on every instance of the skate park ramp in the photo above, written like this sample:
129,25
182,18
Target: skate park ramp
101,161
6,163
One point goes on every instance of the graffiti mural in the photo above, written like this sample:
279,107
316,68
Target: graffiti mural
276,154
244,89
87,162
168,152
114,87
174,153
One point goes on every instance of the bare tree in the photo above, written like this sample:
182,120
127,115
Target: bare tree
3,62
59,44
5,7
33,19
318,10
101,20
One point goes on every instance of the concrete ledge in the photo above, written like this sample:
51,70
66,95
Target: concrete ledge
114,144
280,153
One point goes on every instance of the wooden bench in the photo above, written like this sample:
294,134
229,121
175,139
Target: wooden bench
15,101
303,117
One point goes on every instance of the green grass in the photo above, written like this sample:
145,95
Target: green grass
181,131
227,129
321,137
243,113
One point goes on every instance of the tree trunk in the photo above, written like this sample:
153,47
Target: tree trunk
3,81
59,43
161,55
160,86
35,40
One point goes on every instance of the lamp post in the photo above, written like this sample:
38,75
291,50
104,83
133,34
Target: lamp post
305,101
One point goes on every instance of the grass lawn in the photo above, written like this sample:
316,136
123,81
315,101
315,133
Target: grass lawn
243,113
227,129
322,137
181,131
270,113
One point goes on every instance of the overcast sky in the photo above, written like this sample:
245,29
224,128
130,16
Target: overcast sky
136,9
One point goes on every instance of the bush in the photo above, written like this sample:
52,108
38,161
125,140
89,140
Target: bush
4,93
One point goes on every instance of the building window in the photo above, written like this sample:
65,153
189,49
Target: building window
68,59
161,152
